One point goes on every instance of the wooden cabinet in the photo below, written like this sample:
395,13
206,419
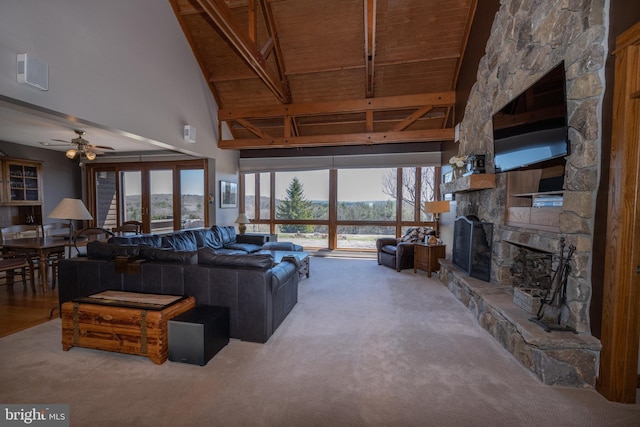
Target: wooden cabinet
22,182
20,191
425,257
522,193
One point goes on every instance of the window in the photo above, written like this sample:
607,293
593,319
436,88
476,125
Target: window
365,205
131,196
366,195
302,195
192,201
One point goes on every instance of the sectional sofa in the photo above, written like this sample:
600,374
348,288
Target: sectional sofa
215,265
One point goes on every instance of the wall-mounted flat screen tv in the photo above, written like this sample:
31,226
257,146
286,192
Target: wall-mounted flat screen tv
532,128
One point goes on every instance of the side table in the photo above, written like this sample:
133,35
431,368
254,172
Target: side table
425,257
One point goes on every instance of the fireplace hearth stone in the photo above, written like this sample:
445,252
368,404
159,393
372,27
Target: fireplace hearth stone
556,358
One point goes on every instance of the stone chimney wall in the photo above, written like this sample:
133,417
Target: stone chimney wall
528,39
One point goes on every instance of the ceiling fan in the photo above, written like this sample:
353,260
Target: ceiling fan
82,147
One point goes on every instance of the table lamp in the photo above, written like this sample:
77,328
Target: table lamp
241,221
70,209
436,208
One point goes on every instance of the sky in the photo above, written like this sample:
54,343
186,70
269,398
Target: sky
192,182
357,185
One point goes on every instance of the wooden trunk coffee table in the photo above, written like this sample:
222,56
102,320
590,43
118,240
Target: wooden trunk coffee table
124,322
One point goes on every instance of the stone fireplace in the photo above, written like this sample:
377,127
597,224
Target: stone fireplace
528,39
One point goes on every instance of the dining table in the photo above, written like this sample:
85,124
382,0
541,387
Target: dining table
45,248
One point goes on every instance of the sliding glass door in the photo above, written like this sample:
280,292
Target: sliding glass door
163,196
160,200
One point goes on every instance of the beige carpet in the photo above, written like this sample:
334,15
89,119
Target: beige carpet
365,346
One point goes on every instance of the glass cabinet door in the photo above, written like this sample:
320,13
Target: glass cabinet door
24,182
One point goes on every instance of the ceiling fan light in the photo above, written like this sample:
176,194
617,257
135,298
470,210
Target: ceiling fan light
71,153
90,155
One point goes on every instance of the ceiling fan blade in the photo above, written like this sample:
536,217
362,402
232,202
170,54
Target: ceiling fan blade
62,140
48,144
101,147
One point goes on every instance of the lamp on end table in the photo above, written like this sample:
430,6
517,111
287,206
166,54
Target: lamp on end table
436,208
242,220
71,209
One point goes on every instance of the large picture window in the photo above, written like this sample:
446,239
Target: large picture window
367,204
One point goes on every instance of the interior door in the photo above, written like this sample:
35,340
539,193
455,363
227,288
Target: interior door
618,375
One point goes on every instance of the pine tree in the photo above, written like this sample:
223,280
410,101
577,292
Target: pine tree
295,206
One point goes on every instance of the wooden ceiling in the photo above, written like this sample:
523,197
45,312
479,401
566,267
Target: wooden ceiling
310,73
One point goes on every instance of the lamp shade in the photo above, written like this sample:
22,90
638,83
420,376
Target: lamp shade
437,207
70,209
242,219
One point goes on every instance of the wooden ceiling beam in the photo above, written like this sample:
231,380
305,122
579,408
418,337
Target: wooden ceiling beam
270,24
378,65
463,44
412,118
251,128
437,99
430,135
370,45
219,13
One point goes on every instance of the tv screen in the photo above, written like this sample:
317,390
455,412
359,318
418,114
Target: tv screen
532,128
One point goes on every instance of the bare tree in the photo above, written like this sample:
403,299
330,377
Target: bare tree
409,192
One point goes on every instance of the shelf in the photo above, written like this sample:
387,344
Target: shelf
521,191
469,183
546,193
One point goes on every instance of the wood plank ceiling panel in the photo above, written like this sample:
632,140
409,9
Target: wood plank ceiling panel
420,77
328,86
322,63
320,35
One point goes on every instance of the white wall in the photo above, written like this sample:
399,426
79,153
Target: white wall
123,64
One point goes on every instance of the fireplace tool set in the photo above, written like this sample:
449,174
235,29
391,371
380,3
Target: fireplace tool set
556,296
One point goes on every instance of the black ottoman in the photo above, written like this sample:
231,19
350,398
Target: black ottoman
198,334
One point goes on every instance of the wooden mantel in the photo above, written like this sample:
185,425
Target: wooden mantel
468,183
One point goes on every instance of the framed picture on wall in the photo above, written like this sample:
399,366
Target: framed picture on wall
228,194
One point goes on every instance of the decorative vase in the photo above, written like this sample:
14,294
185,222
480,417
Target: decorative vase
458,172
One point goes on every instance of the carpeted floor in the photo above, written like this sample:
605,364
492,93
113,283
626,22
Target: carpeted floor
365,346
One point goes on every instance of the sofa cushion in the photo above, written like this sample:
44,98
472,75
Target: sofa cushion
225,251
108,251
151,253
389,249
225,234
209,256
281,246
180,241
245,247
206,238
147,239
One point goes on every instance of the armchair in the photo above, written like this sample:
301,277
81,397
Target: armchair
398,253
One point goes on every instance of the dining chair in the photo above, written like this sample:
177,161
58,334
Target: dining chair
17,264
127,227
57,230
89,234
18,232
